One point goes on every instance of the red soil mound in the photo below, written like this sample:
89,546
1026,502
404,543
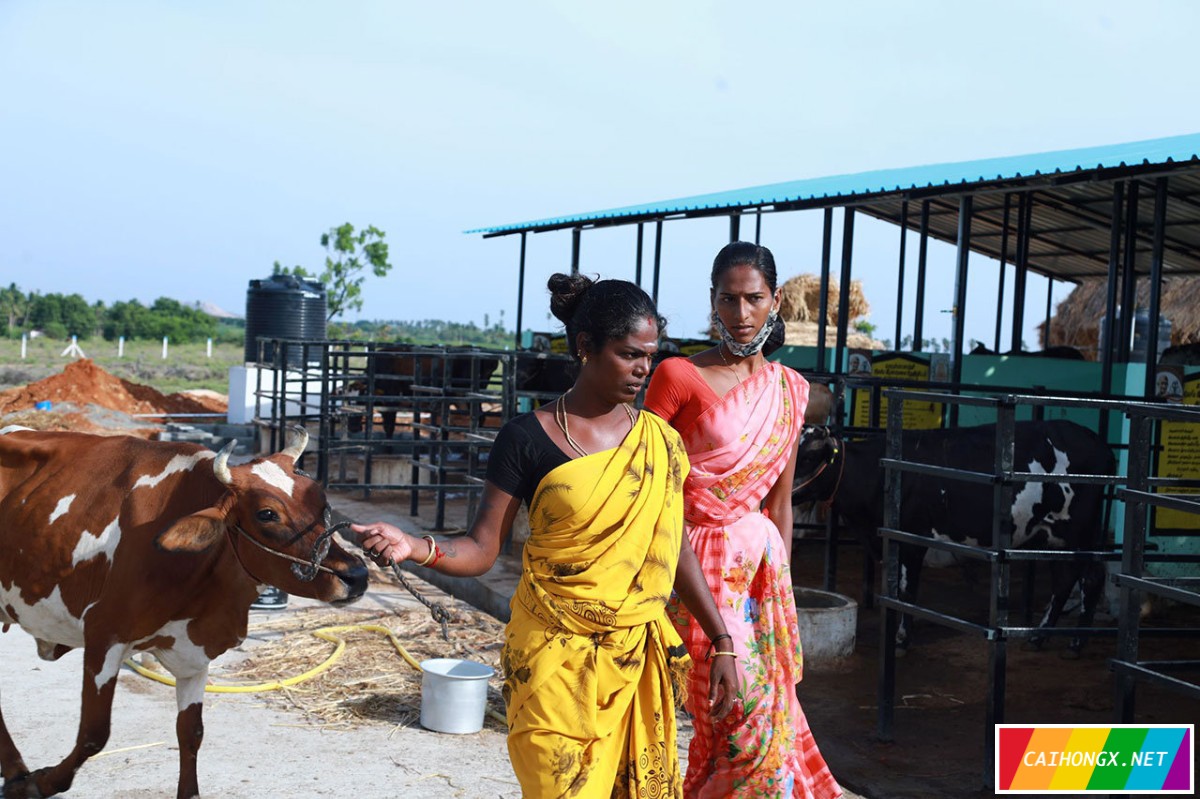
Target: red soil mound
84,382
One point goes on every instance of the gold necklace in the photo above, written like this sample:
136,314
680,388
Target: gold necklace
560,416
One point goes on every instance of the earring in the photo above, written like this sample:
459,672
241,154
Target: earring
583,358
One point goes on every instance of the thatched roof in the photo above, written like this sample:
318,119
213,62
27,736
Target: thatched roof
1076,321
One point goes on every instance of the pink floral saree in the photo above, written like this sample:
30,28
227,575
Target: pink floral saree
738,448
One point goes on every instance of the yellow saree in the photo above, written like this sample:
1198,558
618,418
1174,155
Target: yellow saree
589,654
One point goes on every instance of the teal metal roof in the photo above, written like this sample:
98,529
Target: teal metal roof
836,189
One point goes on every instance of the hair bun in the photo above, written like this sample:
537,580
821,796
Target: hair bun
565,293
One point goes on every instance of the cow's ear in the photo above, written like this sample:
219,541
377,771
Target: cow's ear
194,533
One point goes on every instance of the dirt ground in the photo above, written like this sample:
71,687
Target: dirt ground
252,748
938,746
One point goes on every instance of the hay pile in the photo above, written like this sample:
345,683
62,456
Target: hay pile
800,300
800,309
371,683
1076,322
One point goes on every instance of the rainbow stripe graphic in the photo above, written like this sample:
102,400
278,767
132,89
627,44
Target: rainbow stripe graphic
1122,758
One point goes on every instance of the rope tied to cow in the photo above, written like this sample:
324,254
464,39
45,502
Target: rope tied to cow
436,609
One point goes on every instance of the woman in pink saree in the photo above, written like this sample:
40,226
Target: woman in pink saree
739,416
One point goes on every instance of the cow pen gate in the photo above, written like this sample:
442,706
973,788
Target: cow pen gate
447,403
1137,495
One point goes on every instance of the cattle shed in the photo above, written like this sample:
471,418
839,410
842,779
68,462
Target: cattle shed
1122,212
1127,213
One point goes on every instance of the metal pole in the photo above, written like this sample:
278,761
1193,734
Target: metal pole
1003,270
638,272
893,497
1024,235
758,226
1049,310
900,272
826,246
576,236
1001,571
1107,342
922,248
520,292
1133,547
966,206
657,258
735,226
1129,278
1156,265
844,294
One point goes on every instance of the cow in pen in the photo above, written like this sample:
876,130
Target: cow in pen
1053,515
120,545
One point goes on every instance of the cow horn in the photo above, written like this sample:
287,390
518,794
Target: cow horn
221,463
297,444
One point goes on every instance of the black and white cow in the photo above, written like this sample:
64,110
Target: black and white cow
848,475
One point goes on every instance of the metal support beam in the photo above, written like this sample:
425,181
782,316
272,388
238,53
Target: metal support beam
637,275
1049,311
900,273
520,291
823,308
1003,269
1109,324
965,207
758,226
844,291
1156,267
576,237
1021,271
735,226
1129,276
922,249
657,259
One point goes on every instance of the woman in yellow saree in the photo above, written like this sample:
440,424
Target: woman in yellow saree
739,416
593,667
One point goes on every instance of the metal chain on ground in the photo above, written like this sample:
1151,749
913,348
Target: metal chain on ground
436,609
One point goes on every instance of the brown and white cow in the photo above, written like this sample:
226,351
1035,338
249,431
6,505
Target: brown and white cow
118,545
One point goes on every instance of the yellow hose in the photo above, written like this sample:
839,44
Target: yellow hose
324,633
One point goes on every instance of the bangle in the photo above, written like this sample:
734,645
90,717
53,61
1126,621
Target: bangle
712,643
432,556
731,654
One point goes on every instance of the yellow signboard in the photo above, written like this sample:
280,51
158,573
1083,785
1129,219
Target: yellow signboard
899,366
1180,455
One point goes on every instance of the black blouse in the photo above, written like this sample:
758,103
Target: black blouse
521,456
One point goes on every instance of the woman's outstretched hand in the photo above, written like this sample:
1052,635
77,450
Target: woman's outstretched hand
385,543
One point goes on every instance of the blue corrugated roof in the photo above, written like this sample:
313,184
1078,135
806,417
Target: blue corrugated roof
1154,151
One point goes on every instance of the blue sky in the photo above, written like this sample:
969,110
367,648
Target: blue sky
178,149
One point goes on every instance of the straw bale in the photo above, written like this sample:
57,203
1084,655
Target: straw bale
800,300
1076,321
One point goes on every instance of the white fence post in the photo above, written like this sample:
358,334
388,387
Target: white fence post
24,344
164,348
120,346
210,348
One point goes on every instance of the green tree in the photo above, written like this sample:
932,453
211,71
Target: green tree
347,254
59,314
14,306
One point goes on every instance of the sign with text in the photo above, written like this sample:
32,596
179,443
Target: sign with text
1180,455
899,366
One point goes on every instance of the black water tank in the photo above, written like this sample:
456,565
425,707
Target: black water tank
284,306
